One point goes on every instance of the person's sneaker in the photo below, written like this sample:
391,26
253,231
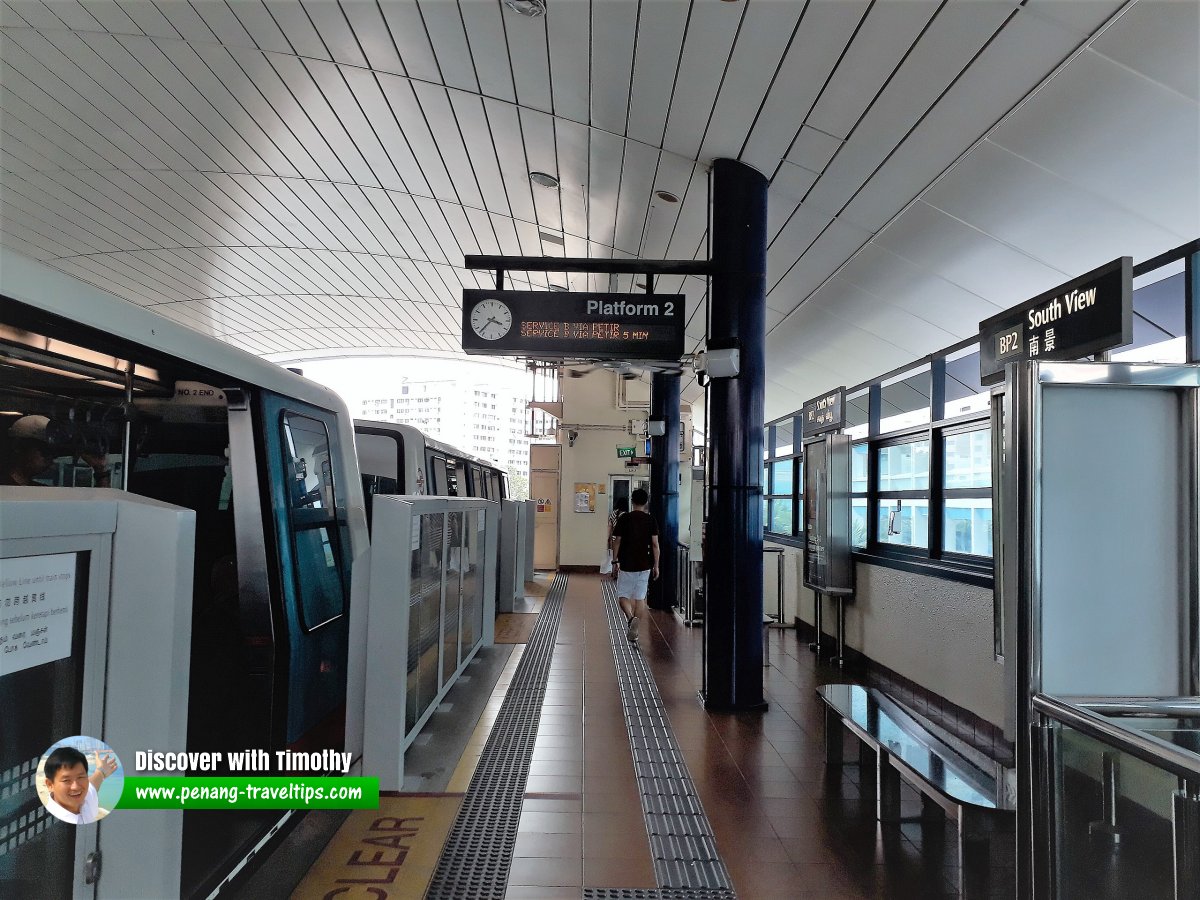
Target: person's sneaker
631,632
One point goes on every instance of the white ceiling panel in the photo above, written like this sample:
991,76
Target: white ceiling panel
443,23
72,14
448,142
359,129
614,30
297,26
711,31
1004,73
1158,39
605,156
896,281
1096,100
968,258
247,109
259,24
638,172
111,17
530,60
820,41
661,29
485,33
1082,18
262,71
1002,195
406,30
15,13
762,40
239,163
220,19
339,39
836,243
477,139
569,32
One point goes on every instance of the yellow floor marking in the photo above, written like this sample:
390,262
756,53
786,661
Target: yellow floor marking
465,770
515,628
388,853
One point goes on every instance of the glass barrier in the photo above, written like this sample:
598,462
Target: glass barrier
1123,817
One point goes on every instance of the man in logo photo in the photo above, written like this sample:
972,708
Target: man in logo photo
73,796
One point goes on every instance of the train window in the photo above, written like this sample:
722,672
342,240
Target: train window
312,508
495,489
440,485
478,488
379,458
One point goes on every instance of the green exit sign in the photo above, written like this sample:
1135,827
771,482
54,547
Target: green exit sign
625,452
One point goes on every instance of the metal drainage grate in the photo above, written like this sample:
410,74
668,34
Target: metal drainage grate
658,894
477,855
686,862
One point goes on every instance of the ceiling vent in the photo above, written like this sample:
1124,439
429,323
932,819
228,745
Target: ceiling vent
531,8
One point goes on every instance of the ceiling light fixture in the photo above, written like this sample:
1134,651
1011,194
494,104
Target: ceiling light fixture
667,196
530,8
543,179
558,287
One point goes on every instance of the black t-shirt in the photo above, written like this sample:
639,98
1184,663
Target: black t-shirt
635,530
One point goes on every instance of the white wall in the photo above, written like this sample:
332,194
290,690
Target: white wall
590,409
935,632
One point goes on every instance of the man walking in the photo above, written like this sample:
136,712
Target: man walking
635,558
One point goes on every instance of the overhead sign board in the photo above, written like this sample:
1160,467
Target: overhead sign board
625,452
824,413
556,325
1087,315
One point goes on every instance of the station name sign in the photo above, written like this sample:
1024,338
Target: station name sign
557,325
824,413
1087,315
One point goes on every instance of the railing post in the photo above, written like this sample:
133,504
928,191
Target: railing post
1186,826
1045,818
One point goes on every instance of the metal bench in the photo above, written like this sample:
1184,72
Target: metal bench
948,782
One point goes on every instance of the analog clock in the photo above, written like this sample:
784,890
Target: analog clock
491,319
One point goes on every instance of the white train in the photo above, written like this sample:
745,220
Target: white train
113,394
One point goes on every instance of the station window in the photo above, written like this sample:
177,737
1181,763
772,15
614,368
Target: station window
905,401
967,492
783,479
1159,317
903,473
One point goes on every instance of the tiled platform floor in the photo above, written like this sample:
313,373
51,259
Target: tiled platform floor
785,828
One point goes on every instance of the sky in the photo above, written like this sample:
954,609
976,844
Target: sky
357,379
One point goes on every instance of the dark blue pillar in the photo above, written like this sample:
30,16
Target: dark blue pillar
664,486
733,627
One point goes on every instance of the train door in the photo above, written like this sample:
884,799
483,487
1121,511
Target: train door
306,480
545,462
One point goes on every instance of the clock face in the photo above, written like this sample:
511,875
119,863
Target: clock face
491,319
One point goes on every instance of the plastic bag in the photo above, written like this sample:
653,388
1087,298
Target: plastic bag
606,566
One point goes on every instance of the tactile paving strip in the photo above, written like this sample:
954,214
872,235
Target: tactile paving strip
477,856
686,862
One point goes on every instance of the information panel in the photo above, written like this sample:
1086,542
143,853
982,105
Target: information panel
557,325
1087,315
828,567
824,413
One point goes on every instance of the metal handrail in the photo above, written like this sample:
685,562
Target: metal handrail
1144,746
1139,707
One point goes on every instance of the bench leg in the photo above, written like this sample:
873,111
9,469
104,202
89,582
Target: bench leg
834,742
887,781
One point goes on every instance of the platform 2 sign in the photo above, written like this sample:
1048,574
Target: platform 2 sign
824,413
1087,315
556,325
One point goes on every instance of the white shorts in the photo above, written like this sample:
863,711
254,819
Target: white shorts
633,585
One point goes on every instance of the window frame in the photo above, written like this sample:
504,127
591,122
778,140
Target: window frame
796,495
